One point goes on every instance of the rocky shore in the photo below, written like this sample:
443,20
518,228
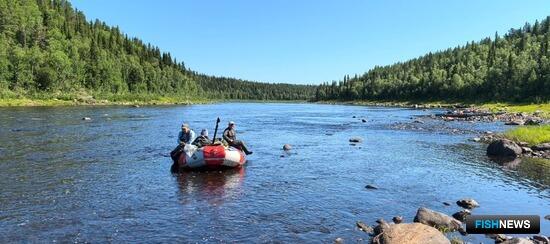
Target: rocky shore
498,145
429,226
484,115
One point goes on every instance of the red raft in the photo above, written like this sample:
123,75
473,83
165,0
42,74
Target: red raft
212,157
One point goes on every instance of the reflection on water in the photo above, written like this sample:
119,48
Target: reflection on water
212,186
534,169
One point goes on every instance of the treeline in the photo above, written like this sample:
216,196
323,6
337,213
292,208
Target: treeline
46,46
512,68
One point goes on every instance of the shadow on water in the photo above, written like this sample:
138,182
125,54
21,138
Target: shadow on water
212,186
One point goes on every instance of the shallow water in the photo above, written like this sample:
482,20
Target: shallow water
108,179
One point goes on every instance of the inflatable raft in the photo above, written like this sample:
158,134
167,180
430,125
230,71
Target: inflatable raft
211,157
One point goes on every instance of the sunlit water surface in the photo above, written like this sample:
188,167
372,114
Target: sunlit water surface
65,179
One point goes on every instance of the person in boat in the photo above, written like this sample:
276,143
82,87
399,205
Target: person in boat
186,136
230,136
202,140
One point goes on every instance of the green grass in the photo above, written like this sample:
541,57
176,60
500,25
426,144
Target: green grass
544,108
531,134
83,97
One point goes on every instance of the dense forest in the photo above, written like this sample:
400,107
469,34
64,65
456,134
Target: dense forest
47,46
511,68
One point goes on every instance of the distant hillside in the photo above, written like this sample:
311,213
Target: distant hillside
512,68
47,47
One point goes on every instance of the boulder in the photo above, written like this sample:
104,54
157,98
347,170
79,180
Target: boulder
410,233
540,239
364,227
397,219
526,149
498,237
503,148
356,139
532,122
371,187
461,215
517,240
437,220
381,227
468,203
542,147
515,122
287,147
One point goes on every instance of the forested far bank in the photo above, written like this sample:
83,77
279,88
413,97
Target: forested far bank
510,68
49,49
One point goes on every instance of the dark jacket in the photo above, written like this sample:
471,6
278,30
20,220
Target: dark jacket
229,135
202,141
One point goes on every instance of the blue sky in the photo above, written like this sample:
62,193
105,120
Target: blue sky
308,41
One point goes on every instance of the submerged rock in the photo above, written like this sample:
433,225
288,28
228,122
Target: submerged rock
410,233
504,148
437,220
468,203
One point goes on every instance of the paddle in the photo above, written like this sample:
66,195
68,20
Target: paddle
216,130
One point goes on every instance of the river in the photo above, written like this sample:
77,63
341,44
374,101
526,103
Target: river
65,179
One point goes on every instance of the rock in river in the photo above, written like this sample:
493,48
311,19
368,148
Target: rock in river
86,118
437,220
372,187
542,147
287,147
461,215
397,219
364,227
517,240
410,233
381,227
504,148
356,139
468,203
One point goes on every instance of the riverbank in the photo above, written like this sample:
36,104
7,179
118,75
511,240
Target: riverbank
53,100
543,109
83,98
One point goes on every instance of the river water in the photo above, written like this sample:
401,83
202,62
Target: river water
68,180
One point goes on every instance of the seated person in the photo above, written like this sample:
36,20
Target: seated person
202,140
230,136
